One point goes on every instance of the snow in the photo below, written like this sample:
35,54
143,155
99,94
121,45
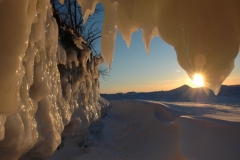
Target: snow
137,129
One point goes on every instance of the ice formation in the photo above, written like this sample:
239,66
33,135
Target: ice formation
48,89
42,99
205,34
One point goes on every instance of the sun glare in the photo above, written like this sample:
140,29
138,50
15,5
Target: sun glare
198,80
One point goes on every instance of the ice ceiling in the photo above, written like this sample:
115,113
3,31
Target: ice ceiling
205,34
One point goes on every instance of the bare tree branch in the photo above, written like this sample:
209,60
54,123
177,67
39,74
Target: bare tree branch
70,16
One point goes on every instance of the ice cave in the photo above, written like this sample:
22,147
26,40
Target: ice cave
49,91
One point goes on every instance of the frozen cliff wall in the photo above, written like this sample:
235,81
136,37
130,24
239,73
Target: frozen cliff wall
49,81
205,34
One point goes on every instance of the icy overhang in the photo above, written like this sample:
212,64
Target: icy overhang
205,34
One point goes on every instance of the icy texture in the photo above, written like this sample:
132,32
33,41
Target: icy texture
38,104
47,91
205,34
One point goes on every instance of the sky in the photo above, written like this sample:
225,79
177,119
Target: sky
134,70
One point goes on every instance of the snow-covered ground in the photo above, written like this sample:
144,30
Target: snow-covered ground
137,129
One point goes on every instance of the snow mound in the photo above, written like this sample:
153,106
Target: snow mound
156,130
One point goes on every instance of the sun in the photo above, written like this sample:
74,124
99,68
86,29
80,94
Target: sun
198,80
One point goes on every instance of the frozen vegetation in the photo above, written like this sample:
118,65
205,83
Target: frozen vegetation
49,90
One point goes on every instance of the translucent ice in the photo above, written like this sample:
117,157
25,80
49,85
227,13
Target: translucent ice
47,91
205,34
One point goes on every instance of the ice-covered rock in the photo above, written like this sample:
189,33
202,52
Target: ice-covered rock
47,91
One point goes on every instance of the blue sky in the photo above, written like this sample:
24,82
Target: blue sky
134,70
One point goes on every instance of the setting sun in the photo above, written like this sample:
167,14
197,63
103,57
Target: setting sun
198,80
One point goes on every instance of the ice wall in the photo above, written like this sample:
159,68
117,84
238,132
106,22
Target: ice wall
205,34
49,83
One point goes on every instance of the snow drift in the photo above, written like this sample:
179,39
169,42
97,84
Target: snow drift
153,130
165,133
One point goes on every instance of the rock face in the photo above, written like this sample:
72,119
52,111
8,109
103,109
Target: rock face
50,85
